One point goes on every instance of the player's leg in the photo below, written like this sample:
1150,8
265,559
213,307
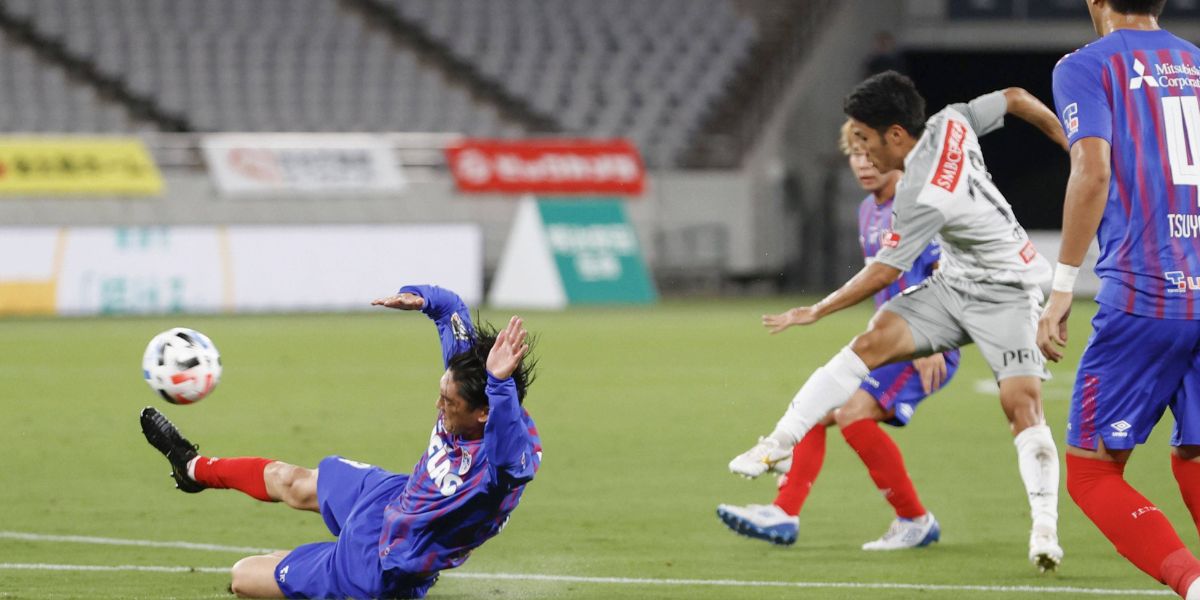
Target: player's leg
1002,322
254,576
1131,368
1185,458
886,388
260,478
1038,464
779,521
886,339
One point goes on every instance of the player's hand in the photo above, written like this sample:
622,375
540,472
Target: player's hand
802,315
932,370
508,350
1052,327
405,301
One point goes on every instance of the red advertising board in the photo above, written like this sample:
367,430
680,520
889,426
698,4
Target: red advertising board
547,166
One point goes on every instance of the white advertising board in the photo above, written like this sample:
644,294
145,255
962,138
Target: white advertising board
156,270
248,164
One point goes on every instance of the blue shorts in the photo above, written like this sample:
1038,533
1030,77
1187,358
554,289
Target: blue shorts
352,497
898,387
1132,369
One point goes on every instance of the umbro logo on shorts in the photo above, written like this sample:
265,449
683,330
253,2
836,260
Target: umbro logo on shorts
1120,429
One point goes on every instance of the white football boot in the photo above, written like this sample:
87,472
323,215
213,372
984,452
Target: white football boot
908,533
765,455
1044,551
761,521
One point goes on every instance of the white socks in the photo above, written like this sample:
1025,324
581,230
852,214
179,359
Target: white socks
828,388
1037,458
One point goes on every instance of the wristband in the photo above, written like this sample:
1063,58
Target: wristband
1064,278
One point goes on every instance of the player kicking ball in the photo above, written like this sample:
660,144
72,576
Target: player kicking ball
889,395
986,290
395,532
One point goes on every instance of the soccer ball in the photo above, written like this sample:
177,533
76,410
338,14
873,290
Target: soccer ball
182,365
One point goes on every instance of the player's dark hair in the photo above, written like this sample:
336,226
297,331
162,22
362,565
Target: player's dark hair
468,368
1138,7
887,99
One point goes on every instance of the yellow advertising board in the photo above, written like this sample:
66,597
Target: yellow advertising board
68,166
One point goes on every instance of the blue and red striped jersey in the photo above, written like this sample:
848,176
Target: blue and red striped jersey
1137,90
874,229
461,492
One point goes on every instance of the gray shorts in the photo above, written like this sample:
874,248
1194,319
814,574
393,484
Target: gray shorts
1002,320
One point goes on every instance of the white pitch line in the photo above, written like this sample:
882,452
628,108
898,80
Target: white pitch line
811,584
84,539
144,568
35,537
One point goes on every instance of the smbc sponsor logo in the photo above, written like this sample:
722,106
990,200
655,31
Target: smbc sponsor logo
596,249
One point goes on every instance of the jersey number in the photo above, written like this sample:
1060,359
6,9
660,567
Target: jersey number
1181,114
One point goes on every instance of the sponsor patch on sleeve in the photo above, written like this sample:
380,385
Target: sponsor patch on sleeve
1028,252
889,239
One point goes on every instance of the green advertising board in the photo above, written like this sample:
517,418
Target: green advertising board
564,251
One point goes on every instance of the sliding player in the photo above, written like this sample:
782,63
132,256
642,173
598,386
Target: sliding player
889,394
395,533
1131,111
986,289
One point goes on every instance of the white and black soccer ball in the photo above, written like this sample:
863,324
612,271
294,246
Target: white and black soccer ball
182,365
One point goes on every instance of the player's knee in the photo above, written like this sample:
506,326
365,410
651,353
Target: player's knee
241,581
254,577
861,406
296,486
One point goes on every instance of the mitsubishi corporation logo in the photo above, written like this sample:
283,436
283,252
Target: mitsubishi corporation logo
1136,82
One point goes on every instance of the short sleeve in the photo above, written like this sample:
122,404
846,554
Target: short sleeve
914,224
984,114
1081,99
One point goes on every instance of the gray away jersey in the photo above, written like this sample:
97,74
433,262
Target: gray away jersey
947,192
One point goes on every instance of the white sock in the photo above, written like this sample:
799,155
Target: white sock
1193,591
828,388
191,468
1037,458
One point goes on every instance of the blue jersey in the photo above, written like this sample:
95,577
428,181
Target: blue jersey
461,491
874,225
1137,90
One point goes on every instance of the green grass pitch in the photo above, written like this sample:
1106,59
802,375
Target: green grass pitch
640,409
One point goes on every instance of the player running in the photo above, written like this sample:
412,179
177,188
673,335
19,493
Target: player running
986,289
889,394
1131,112
395,533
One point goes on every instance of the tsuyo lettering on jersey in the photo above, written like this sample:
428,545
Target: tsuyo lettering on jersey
1184,225
950,164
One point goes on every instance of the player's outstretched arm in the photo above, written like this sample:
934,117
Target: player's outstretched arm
1028,108
1087,195
445,307
863,285
510,447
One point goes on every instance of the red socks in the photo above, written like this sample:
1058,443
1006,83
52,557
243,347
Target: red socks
1187,473
885,465
807,458
1140,532
242,474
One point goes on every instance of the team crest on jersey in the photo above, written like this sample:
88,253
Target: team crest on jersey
889,239
458,328
1070,118
950,165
